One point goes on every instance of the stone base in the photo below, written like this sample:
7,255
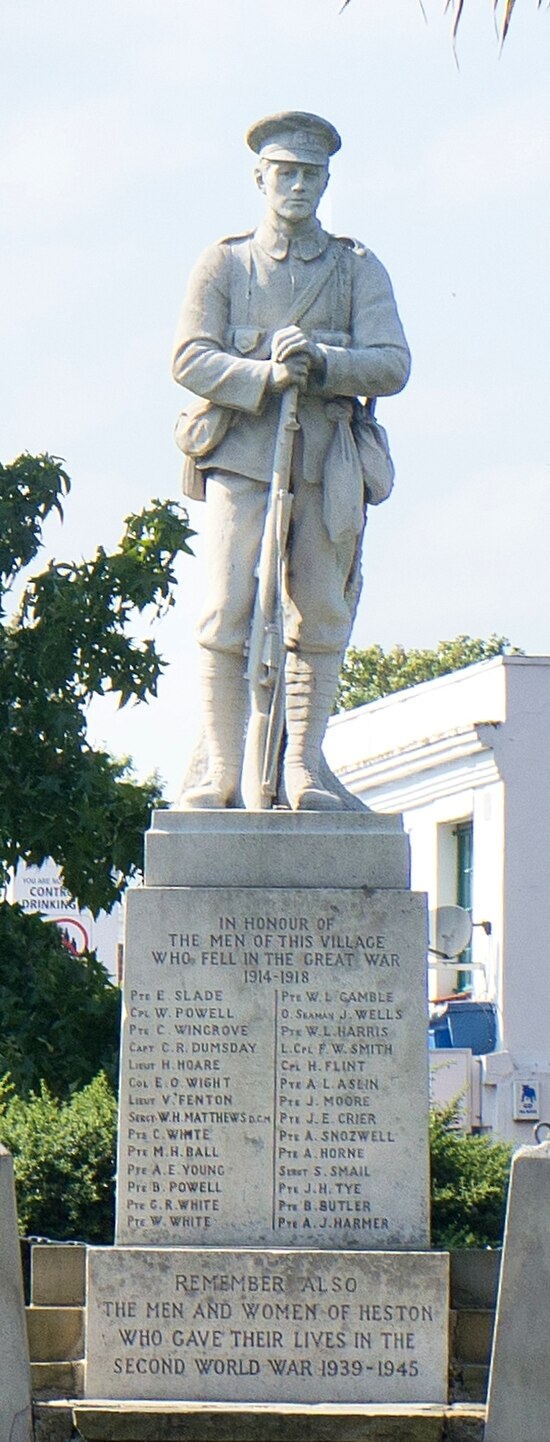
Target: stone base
188,1422
519,1386
272,1327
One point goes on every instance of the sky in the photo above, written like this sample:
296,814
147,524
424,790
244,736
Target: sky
122,155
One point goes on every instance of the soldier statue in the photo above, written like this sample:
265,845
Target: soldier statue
285,310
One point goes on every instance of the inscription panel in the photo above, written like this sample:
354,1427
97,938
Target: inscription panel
274,1069
285,1327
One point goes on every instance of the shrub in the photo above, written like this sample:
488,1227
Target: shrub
469,1185
64,1160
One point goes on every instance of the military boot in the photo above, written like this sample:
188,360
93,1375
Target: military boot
224,696
311,684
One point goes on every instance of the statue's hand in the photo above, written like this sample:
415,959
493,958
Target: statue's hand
293,372
290,342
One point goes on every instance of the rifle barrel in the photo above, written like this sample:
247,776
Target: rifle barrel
266,682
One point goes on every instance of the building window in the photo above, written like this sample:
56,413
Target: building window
464,834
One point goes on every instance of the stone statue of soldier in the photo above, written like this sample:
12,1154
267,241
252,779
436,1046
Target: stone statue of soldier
286,305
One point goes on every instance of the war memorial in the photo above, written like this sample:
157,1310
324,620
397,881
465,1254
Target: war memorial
272,1207
272,1274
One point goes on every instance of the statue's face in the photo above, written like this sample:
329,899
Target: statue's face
292,189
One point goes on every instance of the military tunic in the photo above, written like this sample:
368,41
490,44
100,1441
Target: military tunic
241,291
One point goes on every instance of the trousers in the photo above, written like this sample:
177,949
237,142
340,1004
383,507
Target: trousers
322,580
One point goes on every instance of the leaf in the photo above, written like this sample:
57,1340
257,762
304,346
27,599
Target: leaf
30,488
507,18
457,6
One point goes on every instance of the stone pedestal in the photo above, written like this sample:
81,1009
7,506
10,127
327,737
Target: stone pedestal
519,1383
274,1097
15,1376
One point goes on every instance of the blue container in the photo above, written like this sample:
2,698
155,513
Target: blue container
439,1034
472,1024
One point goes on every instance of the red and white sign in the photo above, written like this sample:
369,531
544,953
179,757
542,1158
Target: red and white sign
41,889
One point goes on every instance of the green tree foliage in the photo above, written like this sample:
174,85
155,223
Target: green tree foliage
59,1013
469,1185
368,675
63,1155
70,638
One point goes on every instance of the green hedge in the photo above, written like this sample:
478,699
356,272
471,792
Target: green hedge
64,1160
469,1185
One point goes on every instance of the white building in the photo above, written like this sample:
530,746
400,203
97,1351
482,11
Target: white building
466,759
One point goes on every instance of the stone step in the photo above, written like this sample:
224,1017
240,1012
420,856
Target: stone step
56,1334
473,1334
57,1379
58,1274
470,1381
180,1422
474,1277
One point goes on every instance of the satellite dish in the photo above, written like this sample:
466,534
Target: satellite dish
453,931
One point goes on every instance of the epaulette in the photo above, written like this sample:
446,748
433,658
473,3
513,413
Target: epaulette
355,245
229,239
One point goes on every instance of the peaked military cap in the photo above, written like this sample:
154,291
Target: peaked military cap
294,135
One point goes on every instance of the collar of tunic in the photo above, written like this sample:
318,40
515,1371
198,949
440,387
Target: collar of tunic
307,244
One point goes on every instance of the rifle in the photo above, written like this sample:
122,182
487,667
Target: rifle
266,648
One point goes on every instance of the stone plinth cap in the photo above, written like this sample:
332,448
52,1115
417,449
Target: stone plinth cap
259,848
